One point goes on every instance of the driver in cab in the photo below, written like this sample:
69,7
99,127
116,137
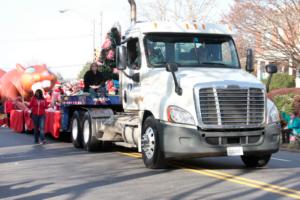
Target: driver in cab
155,55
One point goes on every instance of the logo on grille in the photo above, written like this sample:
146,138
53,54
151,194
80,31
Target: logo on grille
233,87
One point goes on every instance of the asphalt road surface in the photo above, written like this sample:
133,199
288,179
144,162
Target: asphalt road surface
59,171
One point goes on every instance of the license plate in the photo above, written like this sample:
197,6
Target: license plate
235,151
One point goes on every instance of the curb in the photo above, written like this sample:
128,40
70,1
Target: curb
289,150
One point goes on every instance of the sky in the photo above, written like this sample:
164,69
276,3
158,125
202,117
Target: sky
35,32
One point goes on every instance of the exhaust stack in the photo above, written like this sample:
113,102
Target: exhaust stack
132,11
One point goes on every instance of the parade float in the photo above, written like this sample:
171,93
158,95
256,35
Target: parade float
18,85
16,89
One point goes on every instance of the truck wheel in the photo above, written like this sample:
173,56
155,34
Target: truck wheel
90,142
253,161
76,130
152,154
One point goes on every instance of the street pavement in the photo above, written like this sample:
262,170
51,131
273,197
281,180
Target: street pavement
59,171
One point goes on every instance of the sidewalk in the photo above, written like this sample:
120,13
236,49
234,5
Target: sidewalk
290,147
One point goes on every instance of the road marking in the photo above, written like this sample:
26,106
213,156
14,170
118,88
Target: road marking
134,155
295,194
273,158
243,181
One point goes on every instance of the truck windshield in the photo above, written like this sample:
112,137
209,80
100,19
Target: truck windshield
193,50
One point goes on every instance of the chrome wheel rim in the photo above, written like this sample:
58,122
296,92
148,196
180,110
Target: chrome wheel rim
86,131
75,129
148,142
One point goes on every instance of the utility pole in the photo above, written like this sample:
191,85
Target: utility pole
101,25
94,38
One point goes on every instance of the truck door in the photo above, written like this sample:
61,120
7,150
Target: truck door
131,88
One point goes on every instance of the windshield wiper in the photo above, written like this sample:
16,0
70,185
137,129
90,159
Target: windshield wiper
160,63
212,63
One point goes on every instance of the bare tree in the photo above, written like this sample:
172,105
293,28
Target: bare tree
156,10
167,10
197,10
272,27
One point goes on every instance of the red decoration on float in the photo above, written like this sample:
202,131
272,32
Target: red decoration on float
22,81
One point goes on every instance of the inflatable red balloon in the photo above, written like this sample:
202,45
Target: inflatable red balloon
2,72
23,81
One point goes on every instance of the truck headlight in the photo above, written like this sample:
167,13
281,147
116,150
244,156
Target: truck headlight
273,114
179,115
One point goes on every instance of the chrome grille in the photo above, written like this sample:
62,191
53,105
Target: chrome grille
232,106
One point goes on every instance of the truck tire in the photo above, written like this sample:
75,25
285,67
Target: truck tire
253,161
152,154
90,142
76,130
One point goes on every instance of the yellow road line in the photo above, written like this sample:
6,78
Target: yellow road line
137,154
232,178
244,181
240,178
134,155
259,183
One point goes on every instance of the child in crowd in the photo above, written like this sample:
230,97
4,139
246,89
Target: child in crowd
56,96
292,128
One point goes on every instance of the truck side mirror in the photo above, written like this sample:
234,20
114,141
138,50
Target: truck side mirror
249,61
172,67
271,68
121,57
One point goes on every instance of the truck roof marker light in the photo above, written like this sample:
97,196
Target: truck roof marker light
187,26
196,26
203,26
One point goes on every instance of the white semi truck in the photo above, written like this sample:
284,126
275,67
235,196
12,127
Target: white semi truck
183,94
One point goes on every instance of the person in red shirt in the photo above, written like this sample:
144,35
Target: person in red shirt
38,105
48,96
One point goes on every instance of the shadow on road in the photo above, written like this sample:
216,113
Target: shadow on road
113,175
77,191
13,190
9,138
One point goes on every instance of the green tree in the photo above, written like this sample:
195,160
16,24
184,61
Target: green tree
284,103
84,69
281,80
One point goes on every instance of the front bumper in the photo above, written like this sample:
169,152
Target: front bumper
186,142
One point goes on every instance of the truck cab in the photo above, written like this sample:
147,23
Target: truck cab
183,94
185,84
